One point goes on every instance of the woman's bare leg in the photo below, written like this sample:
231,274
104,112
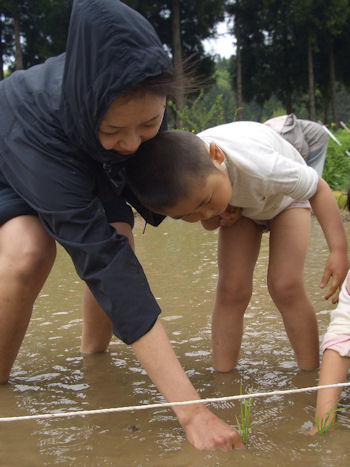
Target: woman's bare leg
97,327
238,250
27,256
289,239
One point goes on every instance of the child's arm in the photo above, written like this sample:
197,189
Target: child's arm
326,210
334,369
203,429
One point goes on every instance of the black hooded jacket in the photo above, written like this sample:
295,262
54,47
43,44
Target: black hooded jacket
51,156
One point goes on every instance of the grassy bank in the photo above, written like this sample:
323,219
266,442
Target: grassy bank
337,166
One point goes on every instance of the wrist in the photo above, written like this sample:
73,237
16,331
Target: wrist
186,413
339,248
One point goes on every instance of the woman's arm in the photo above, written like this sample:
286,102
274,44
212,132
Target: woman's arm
203,429
326,210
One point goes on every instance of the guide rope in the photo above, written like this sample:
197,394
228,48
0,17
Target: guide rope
131,408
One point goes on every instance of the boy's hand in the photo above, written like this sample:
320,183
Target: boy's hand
226,219
205,431
230,216
337,267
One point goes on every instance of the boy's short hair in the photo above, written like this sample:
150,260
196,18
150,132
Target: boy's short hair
167,167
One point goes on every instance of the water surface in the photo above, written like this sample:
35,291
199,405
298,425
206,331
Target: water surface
50,374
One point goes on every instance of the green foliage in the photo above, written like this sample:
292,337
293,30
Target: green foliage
273,106
196,116
341,199
337,166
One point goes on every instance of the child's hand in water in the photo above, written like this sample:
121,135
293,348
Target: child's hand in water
230,216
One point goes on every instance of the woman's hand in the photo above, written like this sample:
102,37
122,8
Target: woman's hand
205,431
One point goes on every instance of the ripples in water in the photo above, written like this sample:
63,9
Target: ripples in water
51,375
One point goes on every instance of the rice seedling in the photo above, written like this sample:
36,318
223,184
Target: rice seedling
244,425
325,424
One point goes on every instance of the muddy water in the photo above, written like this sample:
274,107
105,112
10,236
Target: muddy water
180,260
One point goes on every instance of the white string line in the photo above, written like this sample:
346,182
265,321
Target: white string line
167,404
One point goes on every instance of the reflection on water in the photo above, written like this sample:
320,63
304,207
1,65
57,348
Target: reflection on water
180,262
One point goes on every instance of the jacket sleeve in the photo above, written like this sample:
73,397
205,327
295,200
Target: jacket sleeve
61,192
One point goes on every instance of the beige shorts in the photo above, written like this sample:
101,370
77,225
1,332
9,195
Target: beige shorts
264,225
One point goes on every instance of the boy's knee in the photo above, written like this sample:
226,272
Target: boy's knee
229,293
285,289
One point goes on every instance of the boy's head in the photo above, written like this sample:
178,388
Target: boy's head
178,175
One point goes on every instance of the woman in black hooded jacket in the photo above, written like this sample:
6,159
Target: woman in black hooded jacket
66,129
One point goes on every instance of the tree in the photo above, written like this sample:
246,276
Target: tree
234,10
10,17
250,70
6,40
292,48
45,27
337,13
307,24
323,23
32,30
182,26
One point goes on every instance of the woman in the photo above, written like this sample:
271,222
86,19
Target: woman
66,128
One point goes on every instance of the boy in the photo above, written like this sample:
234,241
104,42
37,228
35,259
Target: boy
249,166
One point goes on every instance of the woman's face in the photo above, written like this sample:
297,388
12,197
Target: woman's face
128,123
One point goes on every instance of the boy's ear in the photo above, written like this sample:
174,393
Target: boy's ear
215,153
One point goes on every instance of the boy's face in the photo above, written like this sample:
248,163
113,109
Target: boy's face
205,200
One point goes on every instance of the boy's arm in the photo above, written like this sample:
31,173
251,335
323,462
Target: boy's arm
334,369
326,210
203,429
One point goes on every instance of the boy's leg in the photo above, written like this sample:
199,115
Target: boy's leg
334,369
97,327
238,250
27,255
289,238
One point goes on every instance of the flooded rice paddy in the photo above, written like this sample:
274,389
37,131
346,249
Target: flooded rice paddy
50,374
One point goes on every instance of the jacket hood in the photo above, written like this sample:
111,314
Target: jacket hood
110,48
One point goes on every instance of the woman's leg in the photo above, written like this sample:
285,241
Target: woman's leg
238,250
289,239
27,256
97,327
